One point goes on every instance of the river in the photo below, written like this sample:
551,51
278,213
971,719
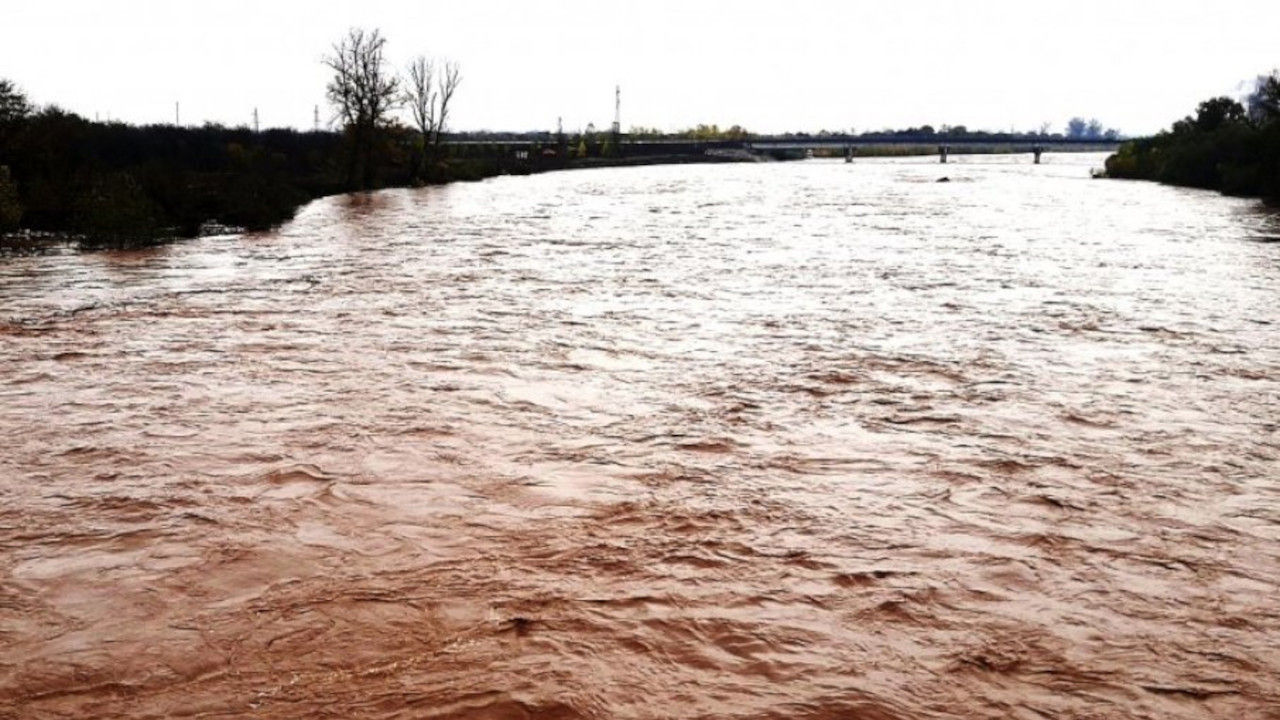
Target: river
799,440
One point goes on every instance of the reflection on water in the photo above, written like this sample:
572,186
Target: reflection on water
808,440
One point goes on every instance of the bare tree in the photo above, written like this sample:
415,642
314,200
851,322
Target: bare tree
363,92
420,94
428,93
450,79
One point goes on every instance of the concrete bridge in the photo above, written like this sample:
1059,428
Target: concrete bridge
943,145
798,146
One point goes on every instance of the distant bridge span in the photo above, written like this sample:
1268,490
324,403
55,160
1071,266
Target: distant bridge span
963,141
944,145
790,145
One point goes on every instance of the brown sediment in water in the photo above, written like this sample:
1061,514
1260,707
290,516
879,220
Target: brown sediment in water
717,442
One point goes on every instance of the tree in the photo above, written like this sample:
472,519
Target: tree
1217,112
10,209
14,110
429,93
117,211
1076,127
363,92
1093,130
13,102
1264,101
450,79
420,95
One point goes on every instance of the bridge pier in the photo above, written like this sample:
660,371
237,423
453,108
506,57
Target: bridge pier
848,153
942,153
1038,150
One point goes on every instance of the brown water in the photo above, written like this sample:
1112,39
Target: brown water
809,440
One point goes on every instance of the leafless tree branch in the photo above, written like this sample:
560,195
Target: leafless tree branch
450,79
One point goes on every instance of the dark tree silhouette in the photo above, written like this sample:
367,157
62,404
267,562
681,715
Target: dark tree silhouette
420,95
450,79
1264,101
10,208
1222,147
429,89
13,102
363,91
1080,129
1217,112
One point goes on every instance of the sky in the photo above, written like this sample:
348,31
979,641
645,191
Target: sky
997,65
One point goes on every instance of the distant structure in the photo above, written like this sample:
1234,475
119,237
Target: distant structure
255,120
177,115
316,126
617,109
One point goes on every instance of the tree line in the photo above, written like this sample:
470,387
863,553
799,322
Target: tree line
1227,145
114,184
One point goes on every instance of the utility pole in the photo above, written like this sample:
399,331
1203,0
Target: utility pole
256,129
617,110
614,146
317,119
177,115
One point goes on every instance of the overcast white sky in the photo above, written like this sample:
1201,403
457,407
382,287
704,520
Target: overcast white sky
770,66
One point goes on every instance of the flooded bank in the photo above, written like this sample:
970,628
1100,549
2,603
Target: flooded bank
806,440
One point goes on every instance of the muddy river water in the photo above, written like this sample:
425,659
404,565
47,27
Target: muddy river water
807,440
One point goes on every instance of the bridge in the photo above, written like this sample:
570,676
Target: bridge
795,146
944,145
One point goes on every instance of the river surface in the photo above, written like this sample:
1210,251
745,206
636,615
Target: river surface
807,440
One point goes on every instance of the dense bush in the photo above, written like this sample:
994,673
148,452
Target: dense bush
98,179
1224,146
116,184
115,210
10,208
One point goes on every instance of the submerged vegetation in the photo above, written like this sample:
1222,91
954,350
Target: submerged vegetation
1229,146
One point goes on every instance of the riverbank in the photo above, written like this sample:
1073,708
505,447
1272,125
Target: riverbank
67,180
1225,146
119,187
141,230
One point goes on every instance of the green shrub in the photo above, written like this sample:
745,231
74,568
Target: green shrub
115,211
